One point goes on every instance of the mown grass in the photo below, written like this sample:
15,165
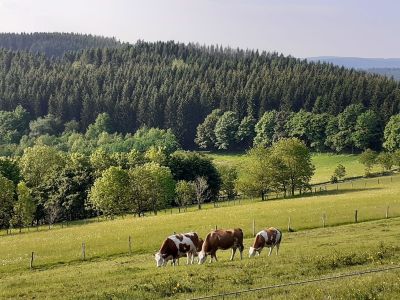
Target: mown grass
325,164
110,272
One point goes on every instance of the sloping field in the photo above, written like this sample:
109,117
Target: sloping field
325,164
110,272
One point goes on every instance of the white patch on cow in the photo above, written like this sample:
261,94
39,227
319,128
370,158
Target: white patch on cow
202,257
264,234
252,251
159,259
185,240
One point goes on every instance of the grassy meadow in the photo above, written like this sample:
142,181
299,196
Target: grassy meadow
309,252
325,164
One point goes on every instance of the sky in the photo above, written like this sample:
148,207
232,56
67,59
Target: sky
301,28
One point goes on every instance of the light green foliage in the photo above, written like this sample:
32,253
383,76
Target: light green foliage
49,124
396,158
144,138
101,161
71,126
24,207
367,131
6,201
38,162
226,130
205,134
246,133
392,134
258,179
229,177
110,193
185,193
102,124
297,164
385,160
152,187
339,173
156,155
264,129
368,159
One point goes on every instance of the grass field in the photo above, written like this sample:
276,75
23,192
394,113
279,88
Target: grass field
325,164
110,272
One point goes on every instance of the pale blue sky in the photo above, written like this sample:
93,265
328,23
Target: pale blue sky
362,28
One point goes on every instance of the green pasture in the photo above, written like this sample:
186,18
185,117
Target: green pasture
110,272
325,164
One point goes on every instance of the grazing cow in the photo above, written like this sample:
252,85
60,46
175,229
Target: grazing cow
176,246
221,239
270,238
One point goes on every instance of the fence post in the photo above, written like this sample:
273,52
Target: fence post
323,220
387,212
216,227
337,186
289,229
378,180
83,251
254,228
31,263
130,244
356,216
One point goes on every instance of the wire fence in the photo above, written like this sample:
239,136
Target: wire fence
296,283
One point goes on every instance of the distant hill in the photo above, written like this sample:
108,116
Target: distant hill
389,72
54,44
173,85
358,62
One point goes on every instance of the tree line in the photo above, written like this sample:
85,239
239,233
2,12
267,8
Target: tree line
105,173
54,44
172,85
356,128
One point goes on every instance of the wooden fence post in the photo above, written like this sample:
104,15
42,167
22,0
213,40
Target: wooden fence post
387,212
216,227
254,228
83,251
356,216
337,186
289,228
323,220
130,244
31,263
378,180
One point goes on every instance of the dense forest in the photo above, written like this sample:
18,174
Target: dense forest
172,85
54,44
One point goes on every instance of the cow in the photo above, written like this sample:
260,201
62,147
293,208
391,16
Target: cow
270,238
176,246
221,239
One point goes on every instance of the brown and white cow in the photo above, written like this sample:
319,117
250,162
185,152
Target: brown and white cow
221,239
176,246
270,238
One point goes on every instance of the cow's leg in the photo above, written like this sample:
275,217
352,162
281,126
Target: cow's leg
277,248
270,250
233,253
192,261
241,251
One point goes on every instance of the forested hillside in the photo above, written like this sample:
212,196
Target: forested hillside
172,85
54,44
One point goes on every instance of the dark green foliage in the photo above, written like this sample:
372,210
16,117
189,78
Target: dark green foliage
190,165
171,85
54,44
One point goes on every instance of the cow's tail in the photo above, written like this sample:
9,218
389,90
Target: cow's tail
280,237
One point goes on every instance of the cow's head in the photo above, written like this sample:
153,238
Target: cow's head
160,259
253,251
202,257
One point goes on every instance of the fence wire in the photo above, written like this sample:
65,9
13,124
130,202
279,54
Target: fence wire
294,283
